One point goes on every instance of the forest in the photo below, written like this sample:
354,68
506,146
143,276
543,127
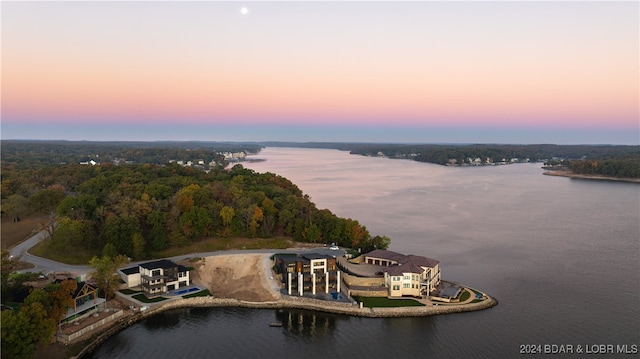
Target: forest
30,154
606,160
619,168
139,209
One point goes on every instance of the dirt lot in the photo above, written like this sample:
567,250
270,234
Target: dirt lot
240,276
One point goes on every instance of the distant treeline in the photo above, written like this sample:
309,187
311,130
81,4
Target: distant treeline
139,209
606,160
619,168
23,154
443,154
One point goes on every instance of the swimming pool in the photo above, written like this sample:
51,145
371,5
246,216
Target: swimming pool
185,291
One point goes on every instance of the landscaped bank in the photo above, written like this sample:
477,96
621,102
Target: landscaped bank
288,302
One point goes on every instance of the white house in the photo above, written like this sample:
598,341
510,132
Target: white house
156,277
409,275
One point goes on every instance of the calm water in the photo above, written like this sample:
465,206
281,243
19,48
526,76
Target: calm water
561,256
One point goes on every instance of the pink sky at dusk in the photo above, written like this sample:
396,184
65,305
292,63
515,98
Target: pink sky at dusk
416,64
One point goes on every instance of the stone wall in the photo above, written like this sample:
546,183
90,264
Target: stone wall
67,338
291,302
352,280
368,293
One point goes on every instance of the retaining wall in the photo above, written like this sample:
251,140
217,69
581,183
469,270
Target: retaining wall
67,338
352,280
291,302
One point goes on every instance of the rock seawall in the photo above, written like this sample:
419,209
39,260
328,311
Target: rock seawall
287,302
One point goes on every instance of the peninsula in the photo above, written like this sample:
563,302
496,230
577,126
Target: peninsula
256,280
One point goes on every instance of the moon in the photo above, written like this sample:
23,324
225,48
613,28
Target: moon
244,11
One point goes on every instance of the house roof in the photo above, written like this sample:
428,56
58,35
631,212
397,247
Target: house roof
289,260
162,263
385,254
129,271
403,259
315,256
80,288
420,260
405,268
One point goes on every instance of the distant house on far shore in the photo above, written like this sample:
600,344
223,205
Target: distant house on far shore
406,275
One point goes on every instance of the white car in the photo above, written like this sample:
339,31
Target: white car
334,248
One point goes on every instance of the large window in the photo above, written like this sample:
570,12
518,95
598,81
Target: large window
155,272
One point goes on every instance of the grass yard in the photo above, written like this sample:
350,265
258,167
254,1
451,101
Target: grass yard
202,293
13,233
384,302
144,299
465,295
214,244
129,291
81,256
69,255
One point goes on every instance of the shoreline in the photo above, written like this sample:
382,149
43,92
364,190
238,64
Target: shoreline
570,174
281,301
286,302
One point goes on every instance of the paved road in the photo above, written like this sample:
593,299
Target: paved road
21,251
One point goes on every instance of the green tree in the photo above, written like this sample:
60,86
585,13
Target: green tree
227,213
196,223
380,242
73,232
46,200
109,250
22,330
15,205
158,231
105,273
270,213
119,230
138,243
312,234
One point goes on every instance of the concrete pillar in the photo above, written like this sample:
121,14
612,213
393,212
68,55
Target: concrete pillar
326,282
300,284
289,282
313,283
338,281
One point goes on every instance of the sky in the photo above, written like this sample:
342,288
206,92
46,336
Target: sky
564,72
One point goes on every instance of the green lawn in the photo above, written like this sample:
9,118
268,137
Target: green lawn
465,295
384,302
144,299
202,293
129,291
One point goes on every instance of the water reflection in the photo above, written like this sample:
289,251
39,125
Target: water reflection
306,323
167,319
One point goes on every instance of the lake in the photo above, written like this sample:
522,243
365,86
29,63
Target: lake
561,256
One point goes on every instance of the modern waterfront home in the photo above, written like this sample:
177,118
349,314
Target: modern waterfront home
406,275
85,301
156,277
309,272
